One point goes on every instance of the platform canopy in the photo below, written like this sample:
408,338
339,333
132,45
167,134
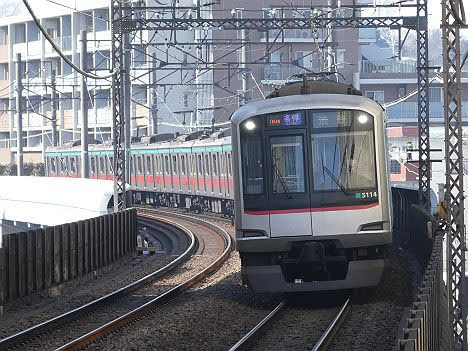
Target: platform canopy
53,201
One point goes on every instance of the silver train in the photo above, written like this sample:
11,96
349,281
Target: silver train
307,170
312,191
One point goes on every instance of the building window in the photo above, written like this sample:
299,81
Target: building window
102,99
185,99
304,59
395,167
4,71
139,94
340,58
378,96
401,92
101,20
139,56
33,31
20,33
435,95
3,35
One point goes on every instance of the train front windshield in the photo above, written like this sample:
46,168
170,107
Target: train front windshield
322,158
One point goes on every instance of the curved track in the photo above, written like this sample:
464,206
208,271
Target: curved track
322,344
205,232
91,310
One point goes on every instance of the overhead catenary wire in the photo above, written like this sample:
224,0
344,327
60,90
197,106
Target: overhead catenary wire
57,49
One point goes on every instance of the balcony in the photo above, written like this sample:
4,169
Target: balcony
408,112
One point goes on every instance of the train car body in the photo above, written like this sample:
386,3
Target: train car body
312,198
183,171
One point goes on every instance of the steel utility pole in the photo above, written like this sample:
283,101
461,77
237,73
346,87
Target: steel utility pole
127,93
84,107
331,37
19,115
245,57
154,97
54,108
455,228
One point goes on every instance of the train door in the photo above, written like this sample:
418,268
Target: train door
133,173
287,185
230,181
110,167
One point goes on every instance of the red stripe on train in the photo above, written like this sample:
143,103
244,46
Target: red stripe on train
319,209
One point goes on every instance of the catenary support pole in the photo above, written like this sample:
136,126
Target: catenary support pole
118,118
84,107
19,114
455,227
331,62
53,87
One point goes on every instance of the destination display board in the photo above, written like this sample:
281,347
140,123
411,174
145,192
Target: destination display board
286,119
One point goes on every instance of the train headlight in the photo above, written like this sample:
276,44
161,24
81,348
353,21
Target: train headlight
250,125
363,119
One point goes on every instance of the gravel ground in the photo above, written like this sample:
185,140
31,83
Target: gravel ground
373,324
37,308
212,316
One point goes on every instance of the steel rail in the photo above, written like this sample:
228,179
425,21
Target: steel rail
243,343
327,337
160,300
66,317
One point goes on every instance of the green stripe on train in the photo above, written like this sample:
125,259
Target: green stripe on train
149,151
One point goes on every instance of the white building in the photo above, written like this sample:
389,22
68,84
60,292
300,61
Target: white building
20,34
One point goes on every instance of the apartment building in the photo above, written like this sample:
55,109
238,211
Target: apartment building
162,106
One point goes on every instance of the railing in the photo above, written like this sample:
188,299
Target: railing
425,323
409,110
39,259
388,66
425,328
280,72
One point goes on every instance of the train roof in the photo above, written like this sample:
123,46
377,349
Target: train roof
53,201
160,141
307,87
304,102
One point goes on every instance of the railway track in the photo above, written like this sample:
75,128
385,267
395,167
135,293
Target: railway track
321,344
83,325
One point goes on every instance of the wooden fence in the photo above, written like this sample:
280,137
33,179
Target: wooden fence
39,259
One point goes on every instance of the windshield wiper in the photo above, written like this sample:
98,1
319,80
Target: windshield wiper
282,182
343,189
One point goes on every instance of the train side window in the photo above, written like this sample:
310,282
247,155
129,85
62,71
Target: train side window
200,165
111,163
229,165
139,165
149,168
174,164
73,164
194,165
63,164
215,165
207,165
166,164
93,165
182,164
101,164
53,165
155,164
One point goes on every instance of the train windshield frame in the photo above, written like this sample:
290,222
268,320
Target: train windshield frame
343,151
339,166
